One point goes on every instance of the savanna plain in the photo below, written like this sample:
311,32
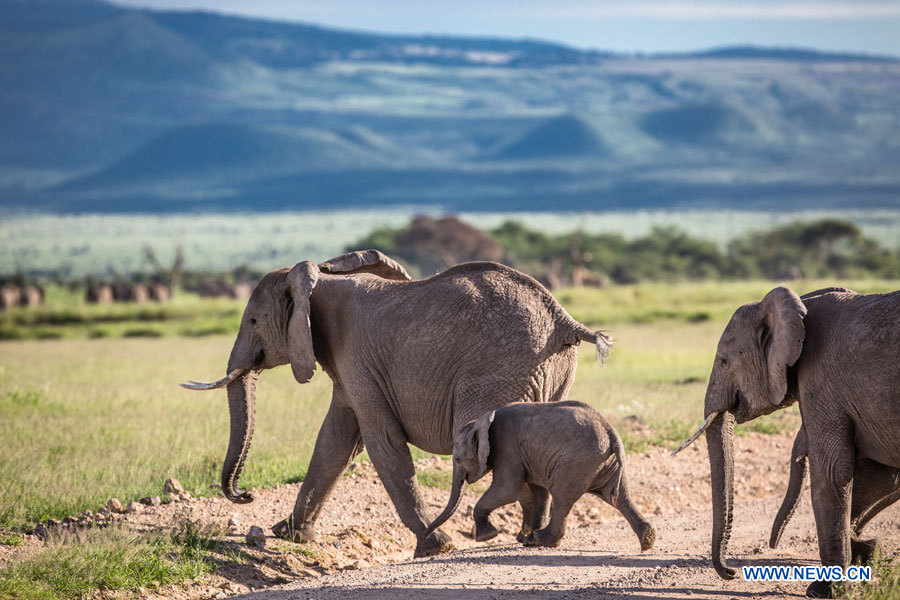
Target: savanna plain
91,410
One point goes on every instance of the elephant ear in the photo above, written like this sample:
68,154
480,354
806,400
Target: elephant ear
781,335
301,280
366,261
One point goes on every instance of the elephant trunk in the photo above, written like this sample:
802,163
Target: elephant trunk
453,503
795,486
241,399
720,442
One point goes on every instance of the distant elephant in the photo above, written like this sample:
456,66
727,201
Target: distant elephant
31,295
10,295
560,450
241,291
158,292
838,354
131,292
863,508
214,288
411,362
99,294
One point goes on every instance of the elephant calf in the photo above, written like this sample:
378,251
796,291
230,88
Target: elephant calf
559,449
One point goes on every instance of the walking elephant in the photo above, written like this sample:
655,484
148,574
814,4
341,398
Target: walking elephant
837,353
560,451
410,361
863,507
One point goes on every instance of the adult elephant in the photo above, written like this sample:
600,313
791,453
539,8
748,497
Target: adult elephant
865,504
838,354
410,361
10,295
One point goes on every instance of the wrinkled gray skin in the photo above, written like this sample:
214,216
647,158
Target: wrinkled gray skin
561,451
862,508
838,354
410,361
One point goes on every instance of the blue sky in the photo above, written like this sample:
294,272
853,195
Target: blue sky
869,26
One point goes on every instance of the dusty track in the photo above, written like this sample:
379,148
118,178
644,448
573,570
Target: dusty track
365,552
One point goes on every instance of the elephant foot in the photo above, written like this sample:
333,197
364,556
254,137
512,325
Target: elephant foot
523,535
819,589
647,537
485,532
542,537
862,551
436,543
285,530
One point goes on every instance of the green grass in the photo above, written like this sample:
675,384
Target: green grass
10,538
442,480
95,419
66,315
113,559
885,584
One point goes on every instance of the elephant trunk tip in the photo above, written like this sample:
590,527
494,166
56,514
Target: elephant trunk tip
239,497
725,572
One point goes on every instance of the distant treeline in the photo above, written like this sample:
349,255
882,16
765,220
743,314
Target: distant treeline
826,248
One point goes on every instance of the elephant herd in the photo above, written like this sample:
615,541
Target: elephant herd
20,295
446,363
103,293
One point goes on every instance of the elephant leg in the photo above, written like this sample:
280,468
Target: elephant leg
527,504
337,444
537,501
622,502
541,499
386,444
831,474
553,532
502,492
875,487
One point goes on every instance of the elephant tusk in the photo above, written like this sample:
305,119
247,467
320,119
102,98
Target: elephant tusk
712,416
199,385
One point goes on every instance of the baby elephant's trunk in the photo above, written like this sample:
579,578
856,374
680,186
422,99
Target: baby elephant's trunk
452,504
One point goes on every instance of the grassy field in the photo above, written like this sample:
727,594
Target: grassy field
88,419
97,418
75,246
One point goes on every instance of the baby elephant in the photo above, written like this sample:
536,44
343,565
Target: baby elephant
559,449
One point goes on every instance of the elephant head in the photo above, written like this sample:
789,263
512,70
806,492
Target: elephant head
749,378
471,449
276,329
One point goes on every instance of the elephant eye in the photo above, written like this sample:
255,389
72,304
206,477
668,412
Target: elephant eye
252,321
723,362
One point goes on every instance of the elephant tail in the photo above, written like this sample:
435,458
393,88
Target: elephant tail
618,449
602,341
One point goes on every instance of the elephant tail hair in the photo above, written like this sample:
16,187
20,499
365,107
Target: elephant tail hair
576,333
603,345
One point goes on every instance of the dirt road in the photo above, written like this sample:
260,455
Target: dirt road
602,560
364,551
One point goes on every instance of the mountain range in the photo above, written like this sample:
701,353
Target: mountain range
112,109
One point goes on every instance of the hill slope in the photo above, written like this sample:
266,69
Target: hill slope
108,108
